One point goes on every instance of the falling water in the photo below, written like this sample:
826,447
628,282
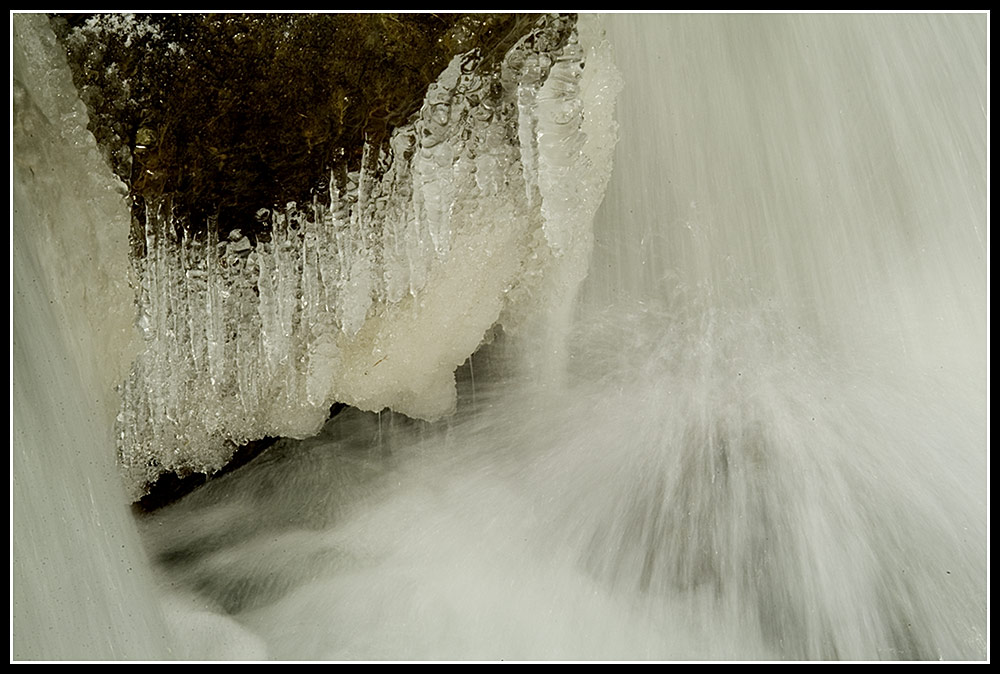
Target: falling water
769,440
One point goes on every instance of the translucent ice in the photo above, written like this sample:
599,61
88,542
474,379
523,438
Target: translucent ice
480,204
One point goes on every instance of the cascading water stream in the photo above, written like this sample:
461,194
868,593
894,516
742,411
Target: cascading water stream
764,437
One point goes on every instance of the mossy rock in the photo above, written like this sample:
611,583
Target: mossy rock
230,113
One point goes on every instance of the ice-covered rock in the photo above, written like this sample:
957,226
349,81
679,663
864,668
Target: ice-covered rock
483,202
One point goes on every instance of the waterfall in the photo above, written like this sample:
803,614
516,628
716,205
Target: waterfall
760,432
78,570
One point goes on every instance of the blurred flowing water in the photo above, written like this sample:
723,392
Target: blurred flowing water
770,440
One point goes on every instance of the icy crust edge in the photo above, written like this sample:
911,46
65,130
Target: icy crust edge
77,567
480,212
88,272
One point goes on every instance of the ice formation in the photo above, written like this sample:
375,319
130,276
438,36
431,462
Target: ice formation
483,202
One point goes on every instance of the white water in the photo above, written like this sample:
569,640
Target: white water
770,441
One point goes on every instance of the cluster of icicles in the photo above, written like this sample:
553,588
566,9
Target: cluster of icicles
246,339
